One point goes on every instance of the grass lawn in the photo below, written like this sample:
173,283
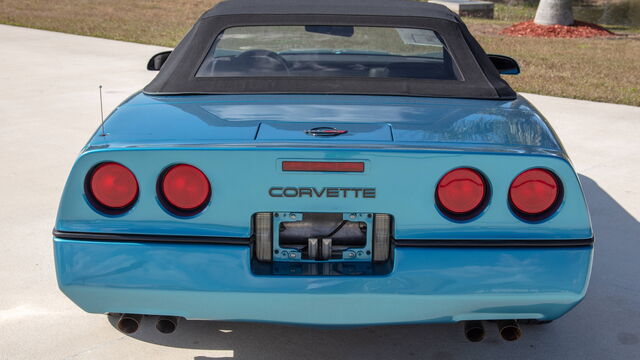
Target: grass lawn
603,69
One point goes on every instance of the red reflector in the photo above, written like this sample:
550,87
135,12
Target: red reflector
320,166
113,185
534,191
461,191
185,187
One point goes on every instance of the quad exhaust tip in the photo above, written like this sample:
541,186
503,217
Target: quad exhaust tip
474,331
167,324
129,323
509,330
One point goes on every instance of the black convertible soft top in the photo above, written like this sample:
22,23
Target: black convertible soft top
480,80
332,7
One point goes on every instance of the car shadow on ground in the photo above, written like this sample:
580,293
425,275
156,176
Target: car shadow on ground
604,325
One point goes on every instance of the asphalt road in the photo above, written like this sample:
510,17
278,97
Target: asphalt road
49,107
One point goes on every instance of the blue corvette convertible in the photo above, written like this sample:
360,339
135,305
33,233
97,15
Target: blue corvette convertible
328,163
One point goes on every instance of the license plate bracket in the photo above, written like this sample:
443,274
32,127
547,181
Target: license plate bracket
322,237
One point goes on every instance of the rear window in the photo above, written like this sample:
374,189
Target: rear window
329,51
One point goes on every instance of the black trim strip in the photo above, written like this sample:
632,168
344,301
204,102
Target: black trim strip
246,241
151,238
495,243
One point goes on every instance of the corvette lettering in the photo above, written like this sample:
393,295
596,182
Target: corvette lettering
325,192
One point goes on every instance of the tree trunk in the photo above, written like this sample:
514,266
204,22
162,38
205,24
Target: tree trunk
554,12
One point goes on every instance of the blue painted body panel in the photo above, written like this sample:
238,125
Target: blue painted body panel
405,182
426,285
372,121
407,145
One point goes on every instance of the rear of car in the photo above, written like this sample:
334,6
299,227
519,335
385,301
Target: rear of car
393,229
306,170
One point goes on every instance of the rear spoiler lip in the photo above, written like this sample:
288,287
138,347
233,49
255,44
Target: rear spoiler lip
418,243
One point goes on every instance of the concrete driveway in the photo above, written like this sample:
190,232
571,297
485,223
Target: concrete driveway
49,107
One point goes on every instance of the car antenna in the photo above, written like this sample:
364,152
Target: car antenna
101,112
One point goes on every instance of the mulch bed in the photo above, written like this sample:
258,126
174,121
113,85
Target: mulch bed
579,29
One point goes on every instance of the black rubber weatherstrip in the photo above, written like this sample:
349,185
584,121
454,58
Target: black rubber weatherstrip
151,238
495,243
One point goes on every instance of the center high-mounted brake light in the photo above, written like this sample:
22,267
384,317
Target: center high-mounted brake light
323,166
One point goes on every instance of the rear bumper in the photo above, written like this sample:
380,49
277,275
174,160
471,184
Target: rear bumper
426,285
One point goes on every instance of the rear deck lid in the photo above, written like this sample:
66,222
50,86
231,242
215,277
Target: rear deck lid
325,120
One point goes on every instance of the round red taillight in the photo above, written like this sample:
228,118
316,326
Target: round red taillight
113,186
534,192
185,188
461,192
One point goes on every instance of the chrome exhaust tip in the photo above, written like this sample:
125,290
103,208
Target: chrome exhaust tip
509,330
474,331
167,324
129,323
